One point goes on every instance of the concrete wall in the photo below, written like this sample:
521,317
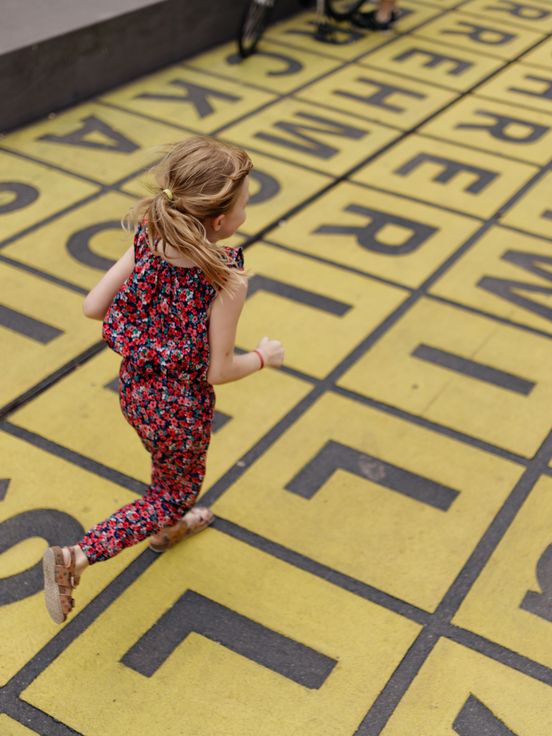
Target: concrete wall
46,65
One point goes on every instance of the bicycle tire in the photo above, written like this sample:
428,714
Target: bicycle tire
252,25
342,9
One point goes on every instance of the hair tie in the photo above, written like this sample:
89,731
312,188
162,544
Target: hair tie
169,194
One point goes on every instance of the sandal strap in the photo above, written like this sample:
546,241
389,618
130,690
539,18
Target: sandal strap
74,576
169,540
177,535
67,603
63,576
185,527
182,529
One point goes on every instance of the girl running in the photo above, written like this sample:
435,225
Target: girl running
170,307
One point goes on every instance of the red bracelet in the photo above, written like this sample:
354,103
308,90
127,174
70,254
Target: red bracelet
260,358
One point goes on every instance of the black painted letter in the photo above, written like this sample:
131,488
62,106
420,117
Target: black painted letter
78,245
115,142
449,169
416,233
520,10
27,326
54,526
194,613
520,131
485,35
195,95
380,96
509,289
334,456
475,719
19,196
310,144
459,66
540,604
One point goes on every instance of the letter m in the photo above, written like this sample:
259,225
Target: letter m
517,292
309,144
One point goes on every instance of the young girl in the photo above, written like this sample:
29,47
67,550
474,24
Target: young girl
170,307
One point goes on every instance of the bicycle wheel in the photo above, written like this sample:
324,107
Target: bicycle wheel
342,9
252,25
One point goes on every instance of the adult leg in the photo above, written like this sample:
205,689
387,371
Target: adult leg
385,10
380,19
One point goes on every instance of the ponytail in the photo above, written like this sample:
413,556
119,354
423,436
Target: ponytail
197,179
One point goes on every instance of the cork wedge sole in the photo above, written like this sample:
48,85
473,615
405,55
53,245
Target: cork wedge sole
51,589
59,581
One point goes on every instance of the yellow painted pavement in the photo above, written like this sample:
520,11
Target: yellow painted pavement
381,561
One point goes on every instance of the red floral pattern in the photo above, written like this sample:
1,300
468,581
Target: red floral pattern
158,322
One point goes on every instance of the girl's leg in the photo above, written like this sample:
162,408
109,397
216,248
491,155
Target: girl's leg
175,485
176,482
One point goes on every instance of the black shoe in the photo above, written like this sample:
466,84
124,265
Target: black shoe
326,33
369,20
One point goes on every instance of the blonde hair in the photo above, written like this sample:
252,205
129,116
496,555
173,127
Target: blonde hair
198,178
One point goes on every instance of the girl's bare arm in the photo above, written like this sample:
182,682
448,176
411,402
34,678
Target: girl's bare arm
224,364
98,300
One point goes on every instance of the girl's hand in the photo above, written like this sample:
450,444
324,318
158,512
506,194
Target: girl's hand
273,352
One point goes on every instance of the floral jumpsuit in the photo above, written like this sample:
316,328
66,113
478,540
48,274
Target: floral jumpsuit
158,322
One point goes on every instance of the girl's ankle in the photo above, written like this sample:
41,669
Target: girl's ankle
81,560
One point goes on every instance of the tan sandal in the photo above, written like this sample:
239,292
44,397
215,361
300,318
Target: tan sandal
183,528
59,581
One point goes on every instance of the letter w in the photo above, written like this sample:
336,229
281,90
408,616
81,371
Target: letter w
509,288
